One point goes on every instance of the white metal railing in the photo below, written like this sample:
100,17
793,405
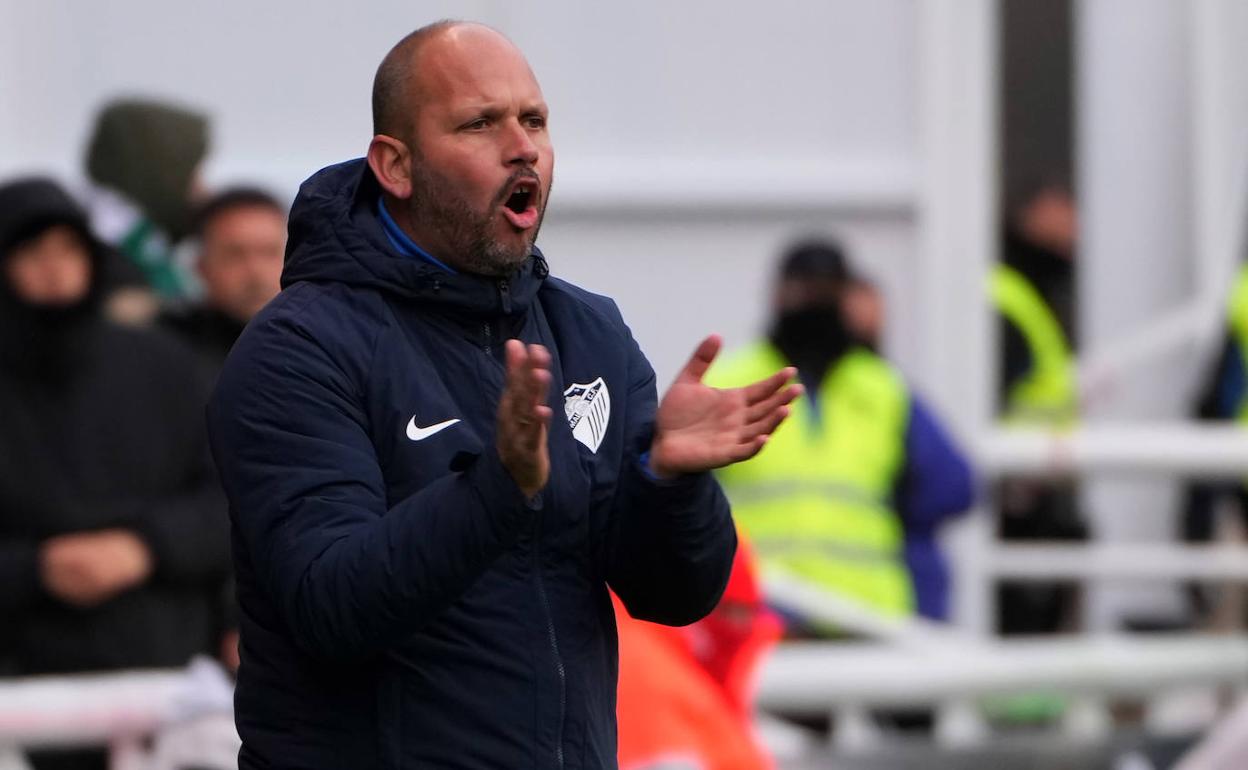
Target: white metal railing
815,677
1205,451
915,663
121,711
830,609
1140,562
847,680
1165,448
87,710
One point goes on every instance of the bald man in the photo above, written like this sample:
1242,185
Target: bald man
439,457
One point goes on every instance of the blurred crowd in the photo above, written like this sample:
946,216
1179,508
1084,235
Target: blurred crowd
118,304
120,299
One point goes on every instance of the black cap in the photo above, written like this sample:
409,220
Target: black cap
31,205
815,259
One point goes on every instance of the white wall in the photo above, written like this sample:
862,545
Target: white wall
694,139
1134,138
685,132
1163,140
679,279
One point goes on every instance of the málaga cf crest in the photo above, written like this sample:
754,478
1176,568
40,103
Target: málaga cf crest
588,408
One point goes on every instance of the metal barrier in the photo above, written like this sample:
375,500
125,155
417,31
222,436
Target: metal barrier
849,681
816,677
912,663
118,710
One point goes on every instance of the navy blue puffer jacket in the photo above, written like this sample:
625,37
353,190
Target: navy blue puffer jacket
402,604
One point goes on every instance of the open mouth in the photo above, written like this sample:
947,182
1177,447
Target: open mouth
520,207
520,198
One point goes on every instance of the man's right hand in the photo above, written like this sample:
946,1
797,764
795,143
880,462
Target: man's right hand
524,416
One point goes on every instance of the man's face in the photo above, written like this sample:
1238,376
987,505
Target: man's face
52,269
1051,219
481,155
795,294
240,259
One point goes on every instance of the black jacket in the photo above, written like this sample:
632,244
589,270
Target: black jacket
402,604
208,331
103,428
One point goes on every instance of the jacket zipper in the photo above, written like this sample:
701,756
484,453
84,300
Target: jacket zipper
554,642
504,298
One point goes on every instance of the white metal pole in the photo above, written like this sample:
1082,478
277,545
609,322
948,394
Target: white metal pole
957,227
1219,197
1135,260
1217,149
1219,185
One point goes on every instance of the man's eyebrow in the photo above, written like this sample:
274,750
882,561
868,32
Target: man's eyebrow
497,108
472,109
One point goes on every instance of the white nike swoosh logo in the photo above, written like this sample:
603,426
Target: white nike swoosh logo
416,433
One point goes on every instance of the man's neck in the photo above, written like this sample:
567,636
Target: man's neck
398,232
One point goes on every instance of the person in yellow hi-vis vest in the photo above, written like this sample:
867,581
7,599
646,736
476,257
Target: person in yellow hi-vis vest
850,492
1032,289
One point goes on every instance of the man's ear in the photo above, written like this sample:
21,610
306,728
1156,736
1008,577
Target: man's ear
390,161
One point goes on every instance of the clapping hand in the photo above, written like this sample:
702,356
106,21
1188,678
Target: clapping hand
699,428
524,416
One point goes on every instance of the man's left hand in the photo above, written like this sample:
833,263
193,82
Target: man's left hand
699,428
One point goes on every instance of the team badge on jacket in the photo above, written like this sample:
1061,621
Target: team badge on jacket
588,408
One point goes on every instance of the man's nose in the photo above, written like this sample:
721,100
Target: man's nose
521,149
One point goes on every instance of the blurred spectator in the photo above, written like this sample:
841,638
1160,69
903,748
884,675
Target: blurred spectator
864,312
1033,291
144,160
242,241
113,541
1039,255
851,491
1223,397
685,696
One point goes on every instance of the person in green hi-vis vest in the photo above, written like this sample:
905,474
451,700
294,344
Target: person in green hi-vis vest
850,492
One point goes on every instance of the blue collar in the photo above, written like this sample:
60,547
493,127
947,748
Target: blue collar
402,242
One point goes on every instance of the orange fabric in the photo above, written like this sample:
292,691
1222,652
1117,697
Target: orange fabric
685,693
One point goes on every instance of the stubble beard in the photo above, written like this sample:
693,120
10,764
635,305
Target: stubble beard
467,233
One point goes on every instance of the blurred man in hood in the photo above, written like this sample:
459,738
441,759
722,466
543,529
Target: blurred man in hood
113,541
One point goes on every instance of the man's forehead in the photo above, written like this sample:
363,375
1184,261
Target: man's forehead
469,63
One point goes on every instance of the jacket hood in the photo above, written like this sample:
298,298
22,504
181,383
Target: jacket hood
31,205
336,237
41,343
